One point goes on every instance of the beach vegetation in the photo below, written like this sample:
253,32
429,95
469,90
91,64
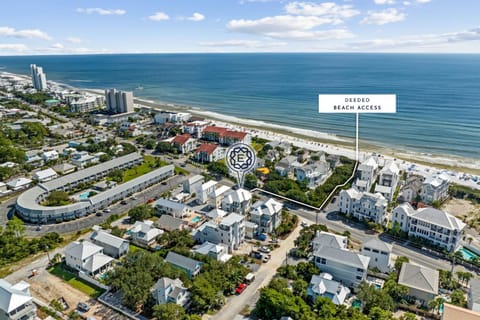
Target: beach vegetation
33,98
219,168
289,222
15,247
463,192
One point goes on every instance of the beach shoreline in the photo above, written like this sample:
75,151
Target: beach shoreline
310,139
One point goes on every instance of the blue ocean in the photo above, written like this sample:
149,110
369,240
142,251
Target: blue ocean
438,96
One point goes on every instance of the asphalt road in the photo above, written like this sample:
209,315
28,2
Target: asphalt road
265,273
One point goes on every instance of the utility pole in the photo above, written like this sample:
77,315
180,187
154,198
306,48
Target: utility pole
48,254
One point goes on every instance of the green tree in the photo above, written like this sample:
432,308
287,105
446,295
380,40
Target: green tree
205,295
398,263
299,288
169,311
15,227
408,316
218,168
458,298
141,212
176,239
377,313
57,198
372,297
250,181
150,144
395,290
163,147
116,175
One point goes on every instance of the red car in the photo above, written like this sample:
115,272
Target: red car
240,288
150,200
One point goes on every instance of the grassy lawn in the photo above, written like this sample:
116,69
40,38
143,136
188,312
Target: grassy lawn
179,170
257,146
134,248
148,165
59,271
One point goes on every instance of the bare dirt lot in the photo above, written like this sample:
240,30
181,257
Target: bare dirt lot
47,287
464,210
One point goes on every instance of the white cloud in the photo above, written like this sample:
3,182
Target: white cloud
196,17
243,43
74,40
384,1
102,12
12,47
57,46
159,16
406,3
328,9
423,1
290,27
383,17
25,33
418,41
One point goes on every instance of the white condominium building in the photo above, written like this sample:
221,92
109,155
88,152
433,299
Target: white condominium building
366,174
364,205
230,231
39,79
435,188
436,226
388,180
119,101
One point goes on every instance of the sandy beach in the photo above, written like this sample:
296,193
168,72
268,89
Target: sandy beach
459,169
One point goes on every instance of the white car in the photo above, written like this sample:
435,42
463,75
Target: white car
304,223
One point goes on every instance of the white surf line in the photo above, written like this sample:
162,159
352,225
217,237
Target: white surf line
334,189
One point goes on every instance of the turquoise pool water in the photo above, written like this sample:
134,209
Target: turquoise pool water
83,196
196,219
467,254
356,304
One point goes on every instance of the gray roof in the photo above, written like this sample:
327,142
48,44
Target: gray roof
343,256
374,243
129,184
168,222
90,171
232,218
330,240
439,218
104,237
82,250
181,261
169,204
12,297
420,278
475,291
63,167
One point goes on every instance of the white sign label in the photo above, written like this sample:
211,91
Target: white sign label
353,103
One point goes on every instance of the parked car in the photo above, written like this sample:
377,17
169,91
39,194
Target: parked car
123,202
264,249
304,223
150,200
82,306
256,255
274,241
261,236
240,288
249,278
266,258
99,213
107,210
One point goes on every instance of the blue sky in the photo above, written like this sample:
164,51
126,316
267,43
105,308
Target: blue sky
87,26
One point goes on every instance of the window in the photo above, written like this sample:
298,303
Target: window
359,270
358,277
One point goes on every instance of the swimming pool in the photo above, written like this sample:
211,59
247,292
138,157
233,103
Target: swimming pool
83,196
357,304
468,254
196,219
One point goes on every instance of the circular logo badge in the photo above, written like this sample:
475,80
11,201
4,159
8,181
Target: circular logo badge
241,158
